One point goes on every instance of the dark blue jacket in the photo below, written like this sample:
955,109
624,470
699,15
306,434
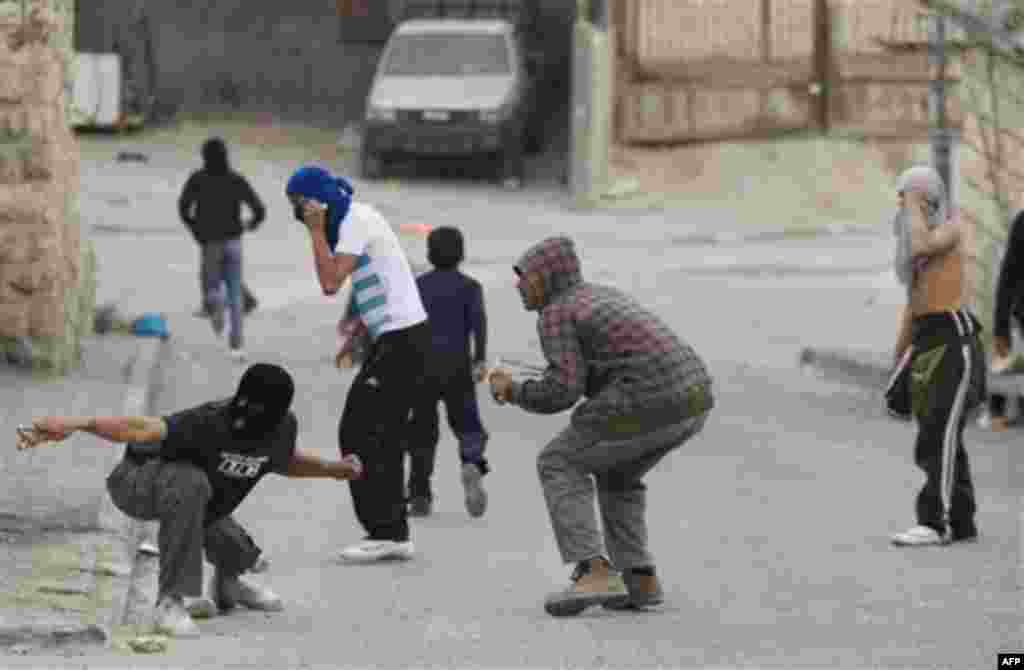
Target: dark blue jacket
455,310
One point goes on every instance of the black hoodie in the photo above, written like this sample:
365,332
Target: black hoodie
211,202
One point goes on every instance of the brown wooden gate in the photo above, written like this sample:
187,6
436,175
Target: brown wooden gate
717,69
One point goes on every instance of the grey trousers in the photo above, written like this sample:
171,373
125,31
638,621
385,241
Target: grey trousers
176,494
222,274
576,463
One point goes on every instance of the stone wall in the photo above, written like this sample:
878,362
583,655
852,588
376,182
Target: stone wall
47,273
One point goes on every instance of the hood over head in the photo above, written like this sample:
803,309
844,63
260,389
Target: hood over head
215,156
556,261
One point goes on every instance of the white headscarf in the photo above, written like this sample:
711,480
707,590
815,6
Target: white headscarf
926,180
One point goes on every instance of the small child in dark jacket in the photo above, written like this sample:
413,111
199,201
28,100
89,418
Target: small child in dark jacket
455,308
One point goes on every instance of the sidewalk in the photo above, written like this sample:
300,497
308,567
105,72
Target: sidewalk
67,552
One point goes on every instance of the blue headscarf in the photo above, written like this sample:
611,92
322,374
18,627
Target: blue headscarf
315,182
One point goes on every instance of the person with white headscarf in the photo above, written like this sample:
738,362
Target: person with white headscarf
939,344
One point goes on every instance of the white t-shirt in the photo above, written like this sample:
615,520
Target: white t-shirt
383,286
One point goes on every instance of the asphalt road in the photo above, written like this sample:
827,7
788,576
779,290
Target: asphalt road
770,528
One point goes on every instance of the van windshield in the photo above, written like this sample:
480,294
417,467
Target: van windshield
448,54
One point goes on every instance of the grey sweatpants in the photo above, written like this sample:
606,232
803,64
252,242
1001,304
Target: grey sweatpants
176,494
576,463
222,272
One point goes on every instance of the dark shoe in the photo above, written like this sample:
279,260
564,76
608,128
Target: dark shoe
250,306
420,506
593,583
644,591
217,321
968,536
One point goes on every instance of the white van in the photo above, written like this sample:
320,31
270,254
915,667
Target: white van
452,87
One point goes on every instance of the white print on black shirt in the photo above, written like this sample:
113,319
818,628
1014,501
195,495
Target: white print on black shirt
239,466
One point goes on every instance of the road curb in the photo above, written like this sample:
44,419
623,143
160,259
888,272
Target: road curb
128,532
110,569
867,368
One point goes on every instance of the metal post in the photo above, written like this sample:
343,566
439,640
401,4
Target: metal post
942,138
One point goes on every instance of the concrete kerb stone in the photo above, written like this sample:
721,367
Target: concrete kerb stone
112,568
867,368
871,369
126,533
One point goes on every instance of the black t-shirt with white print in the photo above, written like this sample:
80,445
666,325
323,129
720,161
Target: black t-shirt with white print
202,436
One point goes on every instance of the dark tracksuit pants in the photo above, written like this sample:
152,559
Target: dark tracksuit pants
947,381
176,494
375,423
449,381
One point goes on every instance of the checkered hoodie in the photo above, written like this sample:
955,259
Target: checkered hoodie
603,345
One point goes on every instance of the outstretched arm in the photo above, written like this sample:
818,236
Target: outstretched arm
117,429
305,463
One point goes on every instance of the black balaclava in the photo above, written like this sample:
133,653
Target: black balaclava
262,400
215,156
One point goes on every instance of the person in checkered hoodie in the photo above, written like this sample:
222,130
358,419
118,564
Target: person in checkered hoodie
646,393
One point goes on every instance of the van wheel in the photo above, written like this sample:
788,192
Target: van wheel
533,142
511,168
372,165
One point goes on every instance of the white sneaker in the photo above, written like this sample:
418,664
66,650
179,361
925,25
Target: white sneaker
369,551
238,355
173,619
919,536
476,496
230,593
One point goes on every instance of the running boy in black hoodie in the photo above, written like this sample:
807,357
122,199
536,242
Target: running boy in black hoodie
211,208
455,309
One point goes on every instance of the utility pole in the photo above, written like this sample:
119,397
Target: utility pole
943,139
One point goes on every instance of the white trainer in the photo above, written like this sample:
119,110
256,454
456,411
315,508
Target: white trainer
173,619
369,551
238,355
476,496
231,592
919,536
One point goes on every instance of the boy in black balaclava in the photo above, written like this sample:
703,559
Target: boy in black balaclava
189,471
211,208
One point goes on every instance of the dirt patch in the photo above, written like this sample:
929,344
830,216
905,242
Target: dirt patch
792,183
250,137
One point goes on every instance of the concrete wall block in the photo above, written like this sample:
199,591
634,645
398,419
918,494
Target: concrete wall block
41,278
26,244
47,162
44,119
31,203
46,317
12,80
43,76
14,321
12,164
13,121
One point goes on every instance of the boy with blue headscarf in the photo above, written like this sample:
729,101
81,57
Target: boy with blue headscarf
352,239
